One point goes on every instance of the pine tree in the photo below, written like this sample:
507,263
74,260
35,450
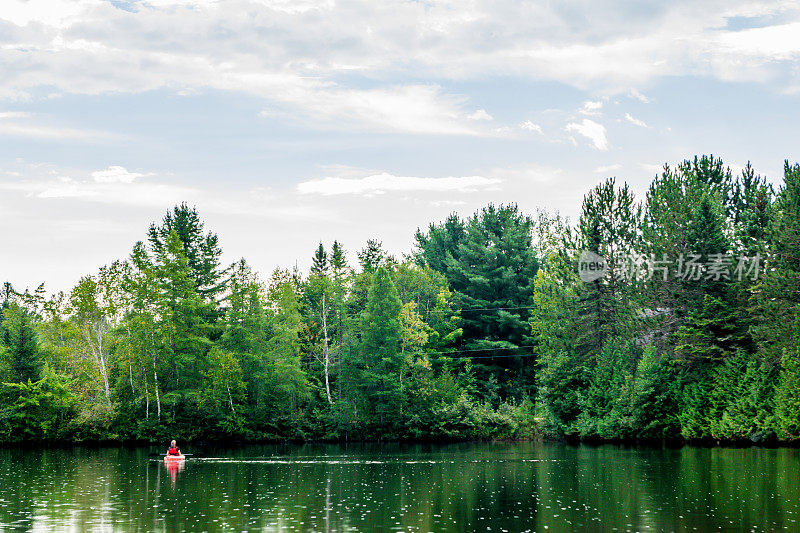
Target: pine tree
654,397
777,294
490,264
605,406
338,261
319,263
608,226
712,176
18,336
201,249
287,382
440,245
686,219
372,256
752,199
245,332
787,393
381,336
181,310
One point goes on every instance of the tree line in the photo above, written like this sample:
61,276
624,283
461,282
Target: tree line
486,329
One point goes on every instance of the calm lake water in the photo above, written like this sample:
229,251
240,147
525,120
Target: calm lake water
460,487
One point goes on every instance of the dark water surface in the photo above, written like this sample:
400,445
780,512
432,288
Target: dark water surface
459,487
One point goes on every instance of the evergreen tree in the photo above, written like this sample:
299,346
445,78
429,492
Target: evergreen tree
381,356
181,311
490,264
605,405
286,379
18,336
338,261
712,176
777,294
319,263
372,256
245,332
653,404
752,200
787,393
608,226
440,245
201,249
710,333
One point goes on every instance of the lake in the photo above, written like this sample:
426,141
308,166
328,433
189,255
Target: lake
456,487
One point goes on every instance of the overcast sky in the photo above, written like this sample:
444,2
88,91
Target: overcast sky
290,122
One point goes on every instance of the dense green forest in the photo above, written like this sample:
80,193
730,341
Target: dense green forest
486,329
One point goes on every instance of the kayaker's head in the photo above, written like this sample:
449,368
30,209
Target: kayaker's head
173,444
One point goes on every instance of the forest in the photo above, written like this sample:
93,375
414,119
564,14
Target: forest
486,329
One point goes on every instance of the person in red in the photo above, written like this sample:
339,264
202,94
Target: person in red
174,450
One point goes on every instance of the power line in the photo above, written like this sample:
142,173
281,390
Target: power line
494,356
480,350
470,309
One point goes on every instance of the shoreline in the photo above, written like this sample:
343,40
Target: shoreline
624,443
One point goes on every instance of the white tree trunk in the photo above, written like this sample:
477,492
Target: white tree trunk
158,397
230,398
94,335
327,350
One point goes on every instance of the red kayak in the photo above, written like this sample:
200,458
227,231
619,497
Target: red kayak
174,457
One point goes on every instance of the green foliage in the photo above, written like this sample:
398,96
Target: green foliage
608,226
562,380
19,346
605,402
486,331
38,410
490,263
285,384
777,294
372,256
201,250
381,357
319,263
787,395
653,401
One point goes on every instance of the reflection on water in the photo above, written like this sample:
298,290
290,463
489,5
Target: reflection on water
174,467
460,487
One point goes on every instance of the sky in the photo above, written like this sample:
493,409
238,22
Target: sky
287,123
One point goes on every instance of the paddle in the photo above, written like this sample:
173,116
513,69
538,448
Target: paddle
164,455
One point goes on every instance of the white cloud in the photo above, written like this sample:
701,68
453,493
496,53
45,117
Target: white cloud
13,114
635,121
116,174
780,42
57,14
440,203
302,55
608,168
416,109
530,126
65,187
591,108
117,187
591,130
530,173
385,182
35,131
633,93
480,114
106,186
